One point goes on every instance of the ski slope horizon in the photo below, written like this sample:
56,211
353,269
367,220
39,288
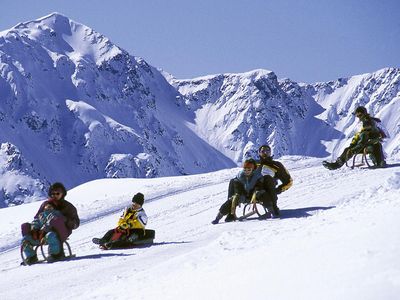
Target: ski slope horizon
76,103
338,238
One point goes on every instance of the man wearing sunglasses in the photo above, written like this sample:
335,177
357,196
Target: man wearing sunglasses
60,228
369,138
275,169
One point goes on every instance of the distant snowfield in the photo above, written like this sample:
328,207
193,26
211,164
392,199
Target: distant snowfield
339,238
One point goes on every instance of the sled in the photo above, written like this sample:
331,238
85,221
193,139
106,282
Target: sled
66,249
251,209
145,241
364,160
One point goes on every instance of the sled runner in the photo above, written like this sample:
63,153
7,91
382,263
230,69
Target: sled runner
364,158
249,209
66,250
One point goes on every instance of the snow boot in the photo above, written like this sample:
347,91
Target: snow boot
217,218
97,241
331,165
30,260
56,257
230,218
275,211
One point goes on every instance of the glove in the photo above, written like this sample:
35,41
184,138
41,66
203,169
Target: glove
278,190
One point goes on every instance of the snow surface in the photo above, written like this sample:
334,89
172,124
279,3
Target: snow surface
338,238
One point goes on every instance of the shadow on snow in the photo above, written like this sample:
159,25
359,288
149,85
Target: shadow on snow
301,212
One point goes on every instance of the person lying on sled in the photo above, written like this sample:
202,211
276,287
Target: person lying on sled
130,228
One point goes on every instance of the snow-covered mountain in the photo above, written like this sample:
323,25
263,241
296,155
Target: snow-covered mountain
75,107
331,243
236,113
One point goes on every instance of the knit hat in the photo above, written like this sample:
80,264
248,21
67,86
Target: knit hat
138,198
360,110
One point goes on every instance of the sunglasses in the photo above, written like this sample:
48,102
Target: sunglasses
265,151
55,194
248,169
358,115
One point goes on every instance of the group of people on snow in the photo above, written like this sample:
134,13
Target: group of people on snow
257,181
260,181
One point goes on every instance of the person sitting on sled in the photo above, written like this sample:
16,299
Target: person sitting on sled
247,184
59,227
40,229
275,170
130,228
369,138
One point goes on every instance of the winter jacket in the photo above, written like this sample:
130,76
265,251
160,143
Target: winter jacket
279,172
369,134
67,210
133,219
247,184
43,220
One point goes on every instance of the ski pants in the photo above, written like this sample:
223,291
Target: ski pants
51,239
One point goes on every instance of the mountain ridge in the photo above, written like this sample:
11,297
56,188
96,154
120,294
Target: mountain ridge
75,103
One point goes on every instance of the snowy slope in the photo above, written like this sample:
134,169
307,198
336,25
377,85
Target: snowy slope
338,238
72,102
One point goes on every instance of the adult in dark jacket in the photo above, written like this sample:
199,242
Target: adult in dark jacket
241,190
269,167
369,138
60,228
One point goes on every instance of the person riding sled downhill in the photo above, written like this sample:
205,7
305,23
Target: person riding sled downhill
130,229
247,184
367,140
52,224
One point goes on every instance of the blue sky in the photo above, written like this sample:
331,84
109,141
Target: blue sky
308,41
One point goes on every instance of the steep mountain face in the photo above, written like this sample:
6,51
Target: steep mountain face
78,108
74,107
238,112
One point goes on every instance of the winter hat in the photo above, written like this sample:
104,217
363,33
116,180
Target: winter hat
57,186
360,110
250,163
138,198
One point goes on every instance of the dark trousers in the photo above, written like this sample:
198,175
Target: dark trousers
268,198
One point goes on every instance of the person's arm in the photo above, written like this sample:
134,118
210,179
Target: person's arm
284,176
140,220
72,217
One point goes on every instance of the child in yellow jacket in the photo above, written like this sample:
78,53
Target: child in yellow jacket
130,228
